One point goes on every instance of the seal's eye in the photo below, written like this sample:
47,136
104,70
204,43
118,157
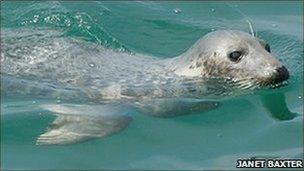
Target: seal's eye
235,55
267,48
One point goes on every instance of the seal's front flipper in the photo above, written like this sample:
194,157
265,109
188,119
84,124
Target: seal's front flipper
76,123
171,107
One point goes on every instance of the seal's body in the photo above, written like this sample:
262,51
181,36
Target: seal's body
95,73
57,66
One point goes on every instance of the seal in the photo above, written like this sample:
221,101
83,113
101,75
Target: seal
102,86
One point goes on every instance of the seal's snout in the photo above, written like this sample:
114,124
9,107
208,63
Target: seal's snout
282,75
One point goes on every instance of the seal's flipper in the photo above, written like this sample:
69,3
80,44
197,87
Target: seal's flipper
75,123
171,107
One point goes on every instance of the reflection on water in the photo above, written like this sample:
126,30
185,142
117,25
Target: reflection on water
277,107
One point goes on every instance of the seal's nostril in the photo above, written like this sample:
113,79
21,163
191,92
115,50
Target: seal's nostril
282,75
283,72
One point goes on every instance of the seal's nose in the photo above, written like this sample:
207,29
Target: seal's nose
282,74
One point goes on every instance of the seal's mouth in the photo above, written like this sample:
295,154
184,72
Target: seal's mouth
279,78
281,75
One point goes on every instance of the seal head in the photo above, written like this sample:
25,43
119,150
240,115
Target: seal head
233,55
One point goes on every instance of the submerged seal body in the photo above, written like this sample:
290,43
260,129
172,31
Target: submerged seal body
47,64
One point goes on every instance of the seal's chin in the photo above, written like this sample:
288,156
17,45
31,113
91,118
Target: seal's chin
274,84
245,83
252,83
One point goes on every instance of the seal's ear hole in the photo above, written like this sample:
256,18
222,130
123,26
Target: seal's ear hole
235,56
267,48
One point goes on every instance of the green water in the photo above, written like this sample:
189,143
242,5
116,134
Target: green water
266,123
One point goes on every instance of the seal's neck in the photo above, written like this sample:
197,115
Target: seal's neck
189,64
